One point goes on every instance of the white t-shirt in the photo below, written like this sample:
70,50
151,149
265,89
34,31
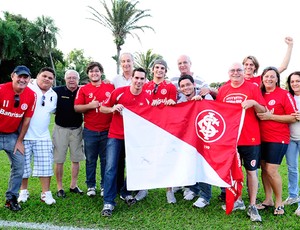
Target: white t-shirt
39,123
295,127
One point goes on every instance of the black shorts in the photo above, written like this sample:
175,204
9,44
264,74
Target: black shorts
272,152
250,156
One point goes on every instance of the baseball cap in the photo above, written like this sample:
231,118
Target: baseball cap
161,62
22,70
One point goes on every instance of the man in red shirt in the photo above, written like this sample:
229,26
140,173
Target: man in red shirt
132,95
96,124
248,95
17,103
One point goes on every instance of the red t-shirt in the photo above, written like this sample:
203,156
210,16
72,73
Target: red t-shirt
281,102
256,80
93,119
250,134
123,96
162,92
10,116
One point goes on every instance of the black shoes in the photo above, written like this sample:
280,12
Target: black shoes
76,190
13,204
61,193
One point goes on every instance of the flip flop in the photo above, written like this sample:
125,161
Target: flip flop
279,211
263,206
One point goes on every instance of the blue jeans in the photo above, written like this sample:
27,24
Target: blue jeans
94,146
115,147
7,143
292,156
202,189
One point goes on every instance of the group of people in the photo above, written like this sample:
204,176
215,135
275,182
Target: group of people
89,122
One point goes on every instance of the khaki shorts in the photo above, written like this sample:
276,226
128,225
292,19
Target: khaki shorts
64,138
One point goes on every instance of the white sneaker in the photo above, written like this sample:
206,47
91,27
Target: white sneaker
47,198
170,197
91,192
189,195
102,192
200,203
23,196
141,195
238,205
186,191
290,200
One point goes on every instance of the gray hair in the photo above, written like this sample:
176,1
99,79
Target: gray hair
72,71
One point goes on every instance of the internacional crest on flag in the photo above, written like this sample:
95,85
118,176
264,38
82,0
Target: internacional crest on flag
180,145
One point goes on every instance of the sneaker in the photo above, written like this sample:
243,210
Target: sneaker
238,205
107,210
61,193
130,200
23,196
297,212
141,195
186,191
253,214
76,190
200,203
102,192
91,192
222,196
170,197
13,204
47,198
291,200
189,195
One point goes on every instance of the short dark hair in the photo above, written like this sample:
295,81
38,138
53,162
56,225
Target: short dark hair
288,81
93,64
49,69
139,69
185,76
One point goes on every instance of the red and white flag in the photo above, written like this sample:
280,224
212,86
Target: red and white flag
180,145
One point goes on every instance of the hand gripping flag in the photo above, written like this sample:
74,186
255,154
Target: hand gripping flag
183,144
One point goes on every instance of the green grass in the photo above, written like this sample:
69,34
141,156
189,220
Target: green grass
151,213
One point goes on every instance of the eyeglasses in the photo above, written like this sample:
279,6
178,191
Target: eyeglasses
155,89
17,101
43,100
235,70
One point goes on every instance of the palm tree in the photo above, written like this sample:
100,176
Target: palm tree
146,60
121,20
43,37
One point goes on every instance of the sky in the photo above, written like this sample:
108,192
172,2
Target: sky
213,33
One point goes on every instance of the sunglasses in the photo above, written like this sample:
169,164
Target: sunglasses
155,89
43,100
17,101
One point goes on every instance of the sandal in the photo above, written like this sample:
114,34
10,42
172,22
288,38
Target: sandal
263,206
279,211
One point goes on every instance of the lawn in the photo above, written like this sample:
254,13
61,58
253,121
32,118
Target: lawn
151,213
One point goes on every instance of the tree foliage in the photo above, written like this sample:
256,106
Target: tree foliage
122,19
146,60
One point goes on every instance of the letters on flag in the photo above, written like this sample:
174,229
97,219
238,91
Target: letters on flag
180,145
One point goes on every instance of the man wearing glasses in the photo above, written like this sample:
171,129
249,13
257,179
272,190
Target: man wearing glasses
17,103
37,141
